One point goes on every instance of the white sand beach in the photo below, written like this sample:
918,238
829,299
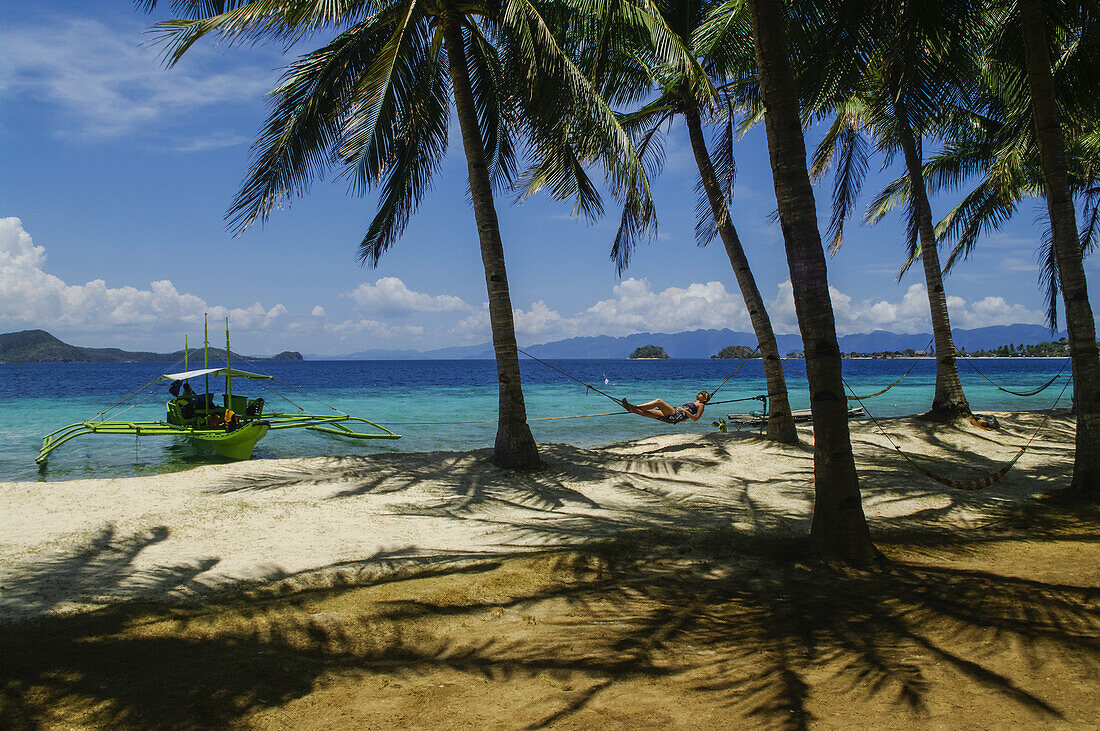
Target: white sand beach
76,545
658,583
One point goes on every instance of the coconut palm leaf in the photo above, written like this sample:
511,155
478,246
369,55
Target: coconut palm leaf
413,156
307,123
725,170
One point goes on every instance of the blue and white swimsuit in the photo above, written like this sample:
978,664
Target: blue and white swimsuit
683,413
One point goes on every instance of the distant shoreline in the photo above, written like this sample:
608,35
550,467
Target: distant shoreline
968,357
468,360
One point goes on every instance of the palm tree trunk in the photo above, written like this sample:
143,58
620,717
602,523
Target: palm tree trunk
949,401
1067,250
781,426
515,446
839,526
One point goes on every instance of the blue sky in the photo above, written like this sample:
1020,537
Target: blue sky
115,175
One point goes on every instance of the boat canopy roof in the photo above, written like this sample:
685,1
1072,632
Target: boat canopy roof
232,372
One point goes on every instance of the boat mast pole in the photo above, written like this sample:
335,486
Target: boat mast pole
228,387
205,351
184,353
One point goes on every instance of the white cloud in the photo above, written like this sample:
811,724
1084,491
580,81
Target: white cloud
372,328
906,316
633,307
389,297
31,297
109,81
390,315
214,141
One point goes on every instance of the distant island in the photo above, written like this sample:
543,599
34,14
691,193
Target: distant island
649,352
1050,349
38,346
739,352
705,343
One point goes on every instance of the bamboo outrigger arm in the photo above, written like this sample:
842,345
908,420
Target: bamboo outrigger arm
333,425
55,439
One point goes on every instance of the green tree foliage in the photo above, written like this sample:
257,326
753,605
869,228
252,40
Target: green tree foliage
649,351
1050,349
737,351
375,104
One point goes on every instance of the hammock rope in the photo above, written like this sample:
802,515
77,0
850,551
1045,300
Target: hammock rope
618,401
981,482
588,386
976,484
743,362
1034,392
903,375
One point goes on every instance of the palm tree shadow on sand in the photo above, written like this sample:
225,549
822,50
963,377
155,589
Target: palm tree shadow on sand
734,625
584,606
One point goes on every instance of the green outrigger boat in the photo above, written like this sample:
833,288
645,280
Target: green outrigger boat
228,427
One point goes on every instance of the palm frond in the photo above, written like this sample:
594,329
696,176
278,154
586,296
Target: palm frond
306,125
894,194
494,113
639,215
552,83
249,22
412,156
1049,278
724,166
1090,223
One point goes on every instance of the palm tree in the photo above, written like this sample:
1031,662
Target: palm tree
375,101
839,526
1032,22
920,58
1034,134
692,95
996,141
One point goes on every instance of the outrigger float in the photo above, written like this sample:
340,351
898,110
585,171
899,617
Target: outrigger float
228,430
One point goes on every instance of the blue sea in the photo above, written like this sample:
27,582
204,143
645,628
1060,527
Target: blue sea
431,402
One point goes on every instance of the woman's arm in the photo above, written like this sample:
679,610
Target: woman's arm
698,412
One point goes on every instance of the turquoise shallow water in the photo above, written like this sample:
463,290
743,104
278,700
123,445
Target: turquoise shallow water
426,401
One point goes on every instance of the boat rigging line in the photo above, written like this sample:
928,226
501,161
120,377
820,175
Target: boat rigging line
303,392
106,413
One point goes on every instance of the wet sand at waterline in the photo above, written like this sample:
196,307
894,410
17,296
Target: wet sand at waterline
657,583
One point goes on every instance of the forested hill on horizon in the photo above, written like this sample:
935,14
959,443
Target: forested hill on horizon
705,343
38,346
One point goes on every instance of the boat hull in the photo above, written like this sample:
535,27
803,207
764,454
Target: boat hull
236,444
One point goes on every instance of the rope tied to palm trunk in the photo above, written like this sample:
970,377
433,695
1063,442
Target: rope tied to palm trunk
1034,392
975,484
903,375
619,401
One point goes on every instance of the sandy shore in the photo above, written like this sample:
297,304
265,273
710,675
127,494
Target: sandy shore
660,583
72,546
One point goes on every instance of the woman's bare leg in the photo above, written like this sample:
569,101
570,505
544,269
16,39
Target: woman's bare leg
656,409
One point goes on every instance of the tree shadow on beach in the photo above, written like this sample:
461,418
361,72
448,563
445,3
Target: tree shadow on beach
732,624
101,571
617,571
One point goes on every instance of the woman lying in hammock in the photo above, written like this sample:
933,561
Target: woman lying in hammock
661,411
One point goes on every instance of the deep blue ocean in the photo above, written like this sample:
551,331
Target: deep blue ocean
426,400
